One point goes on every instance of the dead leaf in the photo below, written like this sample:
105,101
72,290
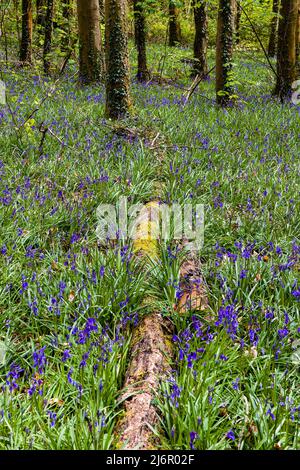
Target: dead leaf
54,265
72,296
56,402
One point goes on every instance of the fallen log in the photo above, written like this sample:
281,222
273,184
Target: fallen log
192,289
150,352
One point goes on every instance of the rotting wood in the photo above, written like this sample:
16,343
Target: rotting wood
192,287
150,353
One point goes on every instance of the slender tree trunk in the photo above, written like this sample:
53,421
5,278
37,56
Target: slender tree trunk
101,10
17,18
90,42
117,64
174,26
224,51
200,41
272,48
48,35
40,14
66,14
140,40
26,38
298,42
238,21
286,55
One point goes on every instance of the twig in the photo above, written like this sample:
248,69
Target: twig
259,40
56,137
44,131
155,139
67,58
49,93
198,79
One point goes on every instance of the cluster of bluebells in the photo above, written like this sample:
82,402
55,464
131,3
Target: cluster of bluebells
12,376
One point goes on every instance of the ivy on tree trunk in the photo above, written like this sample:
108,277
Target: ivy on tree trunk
224,52
140,39
200,41
174,26
272,48
117,64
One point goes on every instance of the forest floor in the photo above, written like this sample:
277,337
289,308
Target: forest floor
69,305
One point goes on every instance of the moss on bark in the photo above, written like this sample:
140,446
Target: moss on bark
200,42
117,64
224,89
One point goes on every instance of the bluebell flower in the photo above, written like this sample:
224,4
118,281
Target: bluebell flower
66,355
230,435
235,384
296,293
193,437
269,413
283,333
53,417
39,360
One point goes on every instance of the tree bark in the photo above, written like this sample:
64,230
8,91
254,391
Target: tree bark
238,21
26,38
140,39
286,55
91,64
272,48
48,35
298,42
66,14
117,64
174,26
101,11
200,41
224,51
150,353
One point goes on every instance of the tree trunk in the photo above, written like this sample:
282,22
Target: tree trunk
174,26
140,40
48,35
238,22
286,55
117,64
200,41
224,51
66,14
298,42
26,39
101,10
90,42
272,48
